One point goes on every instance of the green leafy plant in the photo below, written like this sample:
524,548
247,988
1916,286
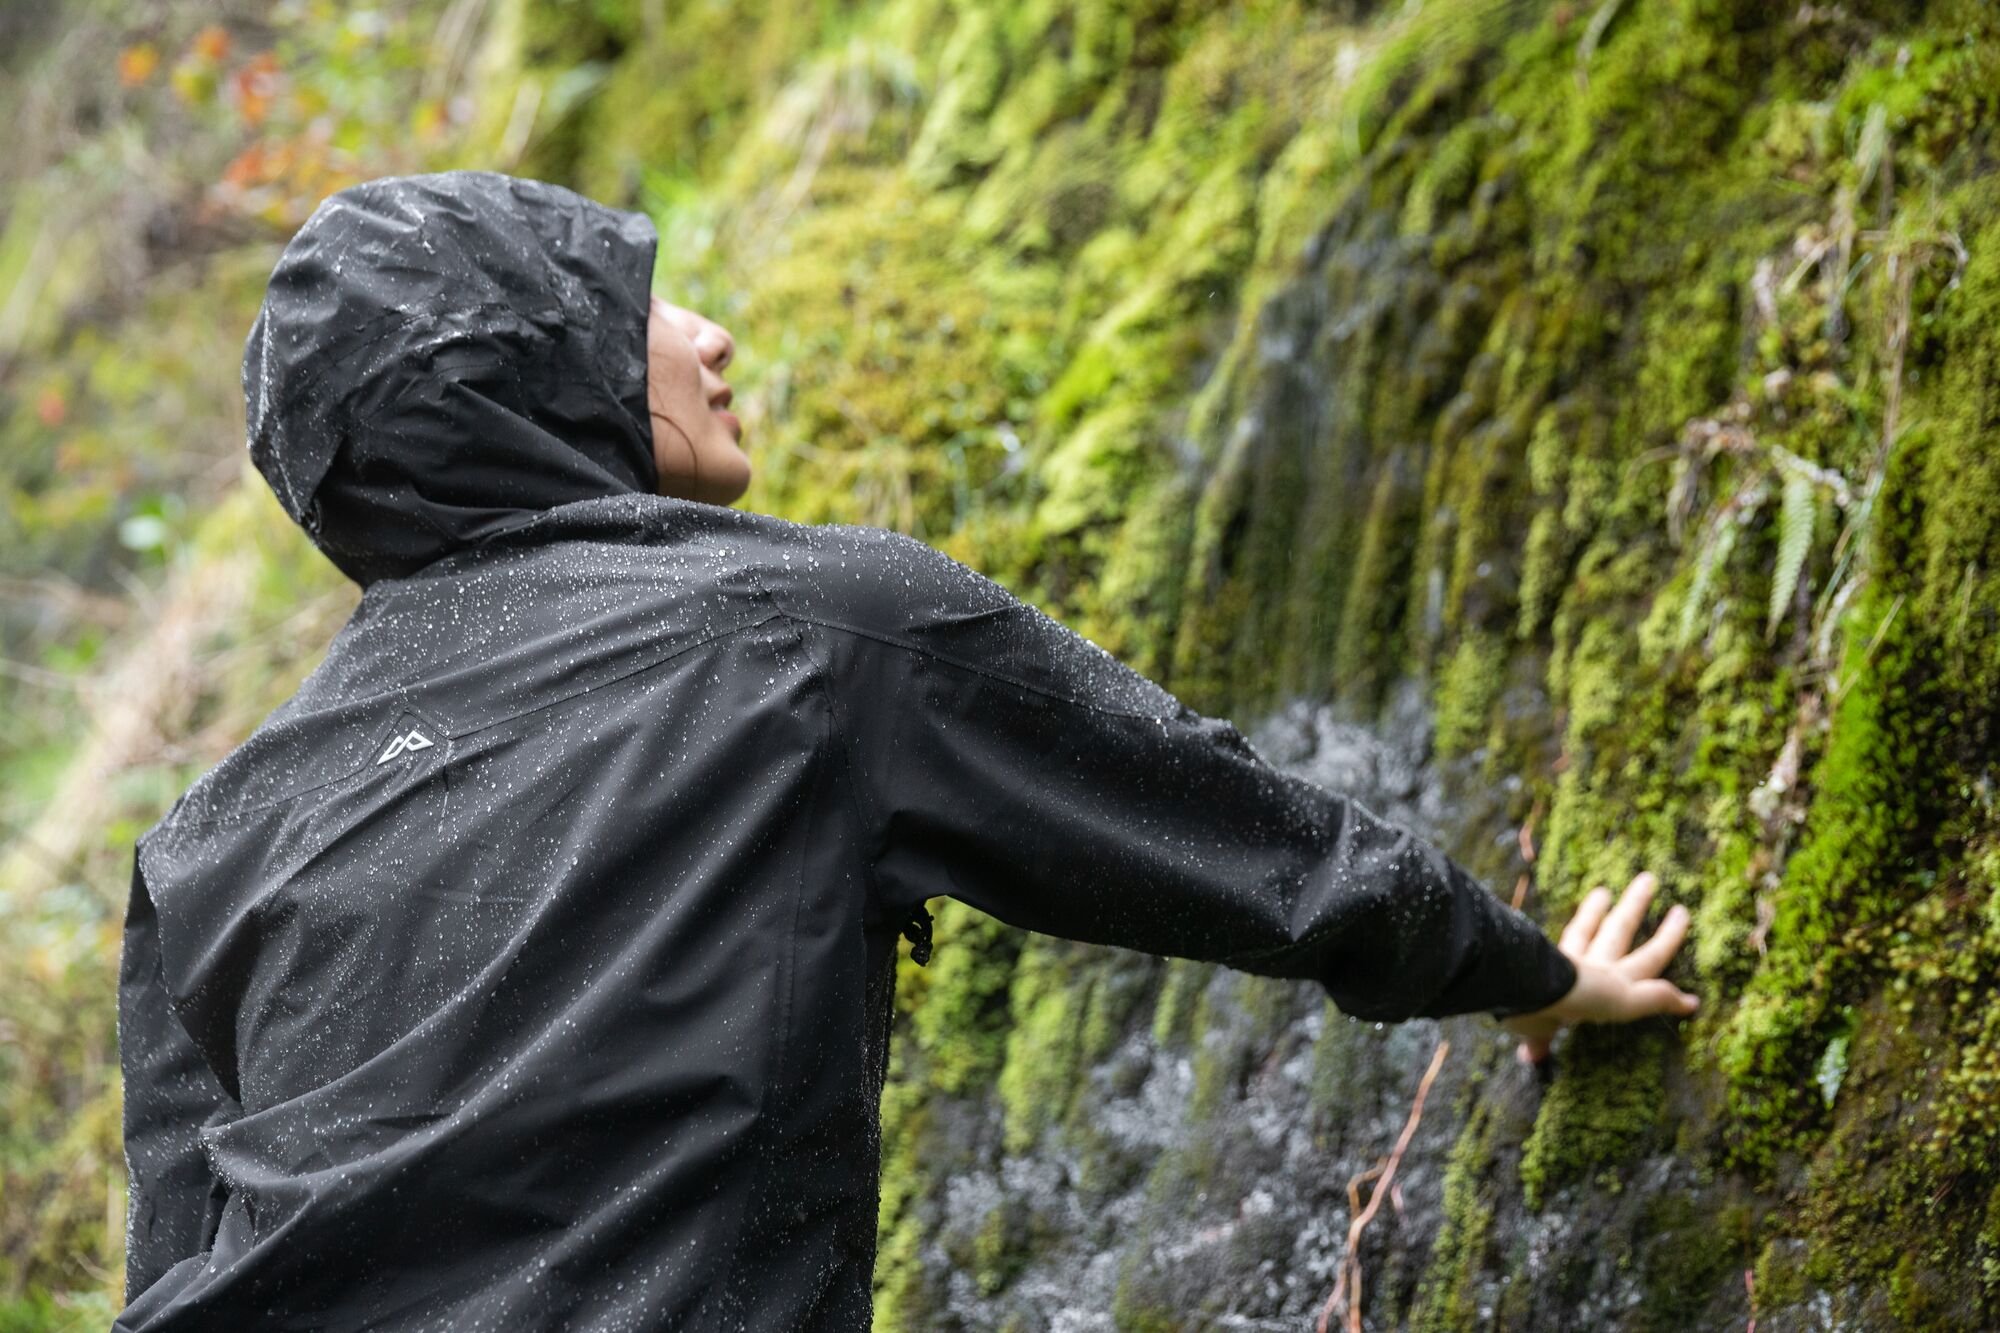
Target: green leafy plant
1799,486
1831,1071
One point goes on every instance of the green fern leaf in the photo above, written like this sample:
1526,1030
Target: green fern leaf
1796,511
1714,554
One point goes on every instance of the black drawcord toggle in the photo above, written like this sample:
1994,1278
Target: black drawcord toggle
917,930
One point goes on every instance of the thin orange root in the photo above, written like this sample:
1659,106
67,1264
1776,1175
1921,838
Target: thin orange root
1384,1176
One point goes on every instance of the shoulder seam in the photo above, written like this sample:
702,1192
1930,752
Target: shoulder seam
922,650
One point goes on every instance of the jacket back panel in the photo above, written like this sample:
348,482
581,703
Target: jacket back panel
529,945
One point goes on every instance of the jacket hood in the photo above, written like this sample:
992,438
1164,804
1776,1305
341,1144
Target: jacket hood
440,358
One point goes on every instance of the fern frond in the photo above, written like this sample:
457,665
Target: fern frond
1797,508
1714,554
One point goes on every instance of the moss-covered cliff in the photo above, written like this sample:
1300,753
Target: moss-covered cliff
1619,372
1595,404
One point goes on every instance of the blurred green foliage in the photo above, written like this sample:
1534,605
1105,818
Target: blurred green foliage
158,158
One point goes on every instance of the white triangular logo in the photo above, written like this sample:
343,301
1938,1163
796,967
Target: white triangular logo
413,740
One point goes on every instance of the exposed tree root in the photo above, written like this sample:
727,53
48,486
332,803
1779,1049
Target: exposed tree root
1347,1289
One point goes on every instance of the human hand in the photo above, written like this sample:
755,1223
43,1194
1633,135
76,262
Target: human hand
1615,983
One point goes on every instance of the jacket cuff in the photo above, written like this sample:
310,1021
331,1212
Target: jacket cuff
1546,979
1515,967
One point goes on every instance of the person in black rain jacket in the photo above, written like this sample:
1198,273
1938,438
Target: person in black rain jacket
531,967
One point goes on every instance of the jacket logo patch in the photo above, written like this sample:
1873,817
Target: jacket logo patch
410,740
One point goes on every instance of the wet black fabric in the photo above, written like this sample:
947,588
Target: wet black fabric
531,967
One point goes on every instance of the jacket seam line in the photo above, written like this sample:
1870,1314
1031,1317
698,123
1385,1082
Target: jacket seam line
932,654
774,1082
614,680
866,819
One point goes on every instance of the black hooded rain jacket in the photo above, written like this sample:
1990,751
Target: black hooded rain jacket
531,967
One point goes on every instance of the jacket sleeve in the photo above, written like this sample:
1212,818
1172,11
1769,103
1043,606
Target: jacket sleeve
170,1094
1001,759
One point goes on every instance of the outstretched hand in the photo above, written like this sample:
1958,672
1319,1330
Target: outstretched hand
1615,983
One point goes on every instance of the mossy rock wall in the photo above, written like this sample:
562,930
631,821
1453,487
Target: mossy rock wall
1612,380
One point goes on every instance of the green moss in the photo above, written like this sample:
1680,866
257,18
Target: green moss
1692,1262
1218,1061
956,138
1446,1297
1044,1041
1467,690
1847,877
1956,550
1131,1313
1779,1275
959,1000
1335,1094
1565,432
901,1284
1605,1105
1370,635
1882,1219
1988,1247
1004,1244
1180,992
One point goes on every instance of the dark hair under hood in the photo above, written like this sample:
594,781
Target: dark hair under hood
440,358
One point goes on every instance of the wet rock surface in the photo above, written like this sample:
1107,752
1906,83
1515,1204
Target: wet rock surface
1207,1180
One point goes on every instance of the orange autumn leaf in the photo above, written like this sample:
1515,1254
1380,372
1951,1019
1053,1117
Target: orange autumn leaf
246,167
253,87
290,158
211,43
51,407
137,63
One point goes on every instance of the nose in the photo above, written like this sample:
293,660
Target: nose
714,345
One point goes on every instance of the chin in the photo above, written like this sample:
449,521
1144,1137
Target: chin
713,491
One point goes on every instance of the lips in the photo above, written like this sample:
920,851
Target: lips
735,426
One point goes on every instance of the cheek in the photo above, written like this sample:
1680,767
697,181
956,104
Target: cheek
672,381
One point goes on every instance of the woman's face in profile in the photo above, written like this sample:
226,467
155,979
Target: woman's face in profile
696,440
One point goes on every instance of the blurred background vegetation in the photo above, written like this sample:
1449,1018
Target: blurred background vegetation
1619,375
